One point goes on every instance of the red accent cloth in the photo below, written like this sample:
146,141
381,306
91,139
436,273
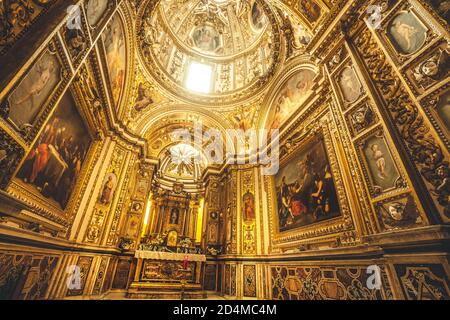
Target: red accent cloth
185,262
297,208
40,161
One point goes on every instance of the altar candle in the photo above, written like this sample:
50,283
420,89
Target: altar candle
185,262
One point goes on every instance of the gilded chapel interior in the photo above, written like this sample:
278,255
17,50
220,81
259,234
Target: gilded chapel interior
224,149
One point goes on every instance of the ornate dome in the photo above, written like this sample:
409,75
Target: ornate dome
208,51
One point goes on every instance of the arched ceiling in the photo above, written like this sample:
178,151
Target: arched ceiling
250,45
238,43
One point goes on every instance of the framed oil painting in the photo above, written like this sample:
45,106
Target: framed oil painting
349,84
292,94
115,50
206,38
407,33
108,189
305,188
54,163
95,9
31,94
382,170
310,9
248,206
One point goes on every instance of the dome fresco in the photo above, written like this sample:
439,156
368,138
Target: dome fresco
239,41
216,28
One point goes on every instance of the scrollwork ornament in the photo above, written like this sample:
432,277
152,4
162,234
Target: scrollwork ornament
421,145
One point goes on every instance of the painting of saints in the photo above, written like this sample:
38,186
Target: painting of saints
305,188
310,9
407,33
249,206
30,95
174,215
291,96
381,165
258,18
54,163
114,40
108,189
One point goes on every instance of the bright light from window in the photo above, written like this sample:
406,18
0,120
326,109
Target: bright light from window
199,77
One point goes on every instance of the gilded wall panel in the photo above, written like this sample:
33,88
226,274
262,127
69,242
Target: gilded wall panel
109,274
106,196
326,283
424,150
248,216
84,264
233,288
122,273
123,200
424,281
210,277
249,278
227,279
101,275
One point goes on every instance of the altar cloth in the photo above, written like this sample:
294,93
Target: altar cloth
160,255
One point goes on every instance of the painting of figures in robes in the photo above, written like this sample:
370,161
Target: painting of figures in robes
292,94
305,188
54,163
34,90
108,188
114,40
249,206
